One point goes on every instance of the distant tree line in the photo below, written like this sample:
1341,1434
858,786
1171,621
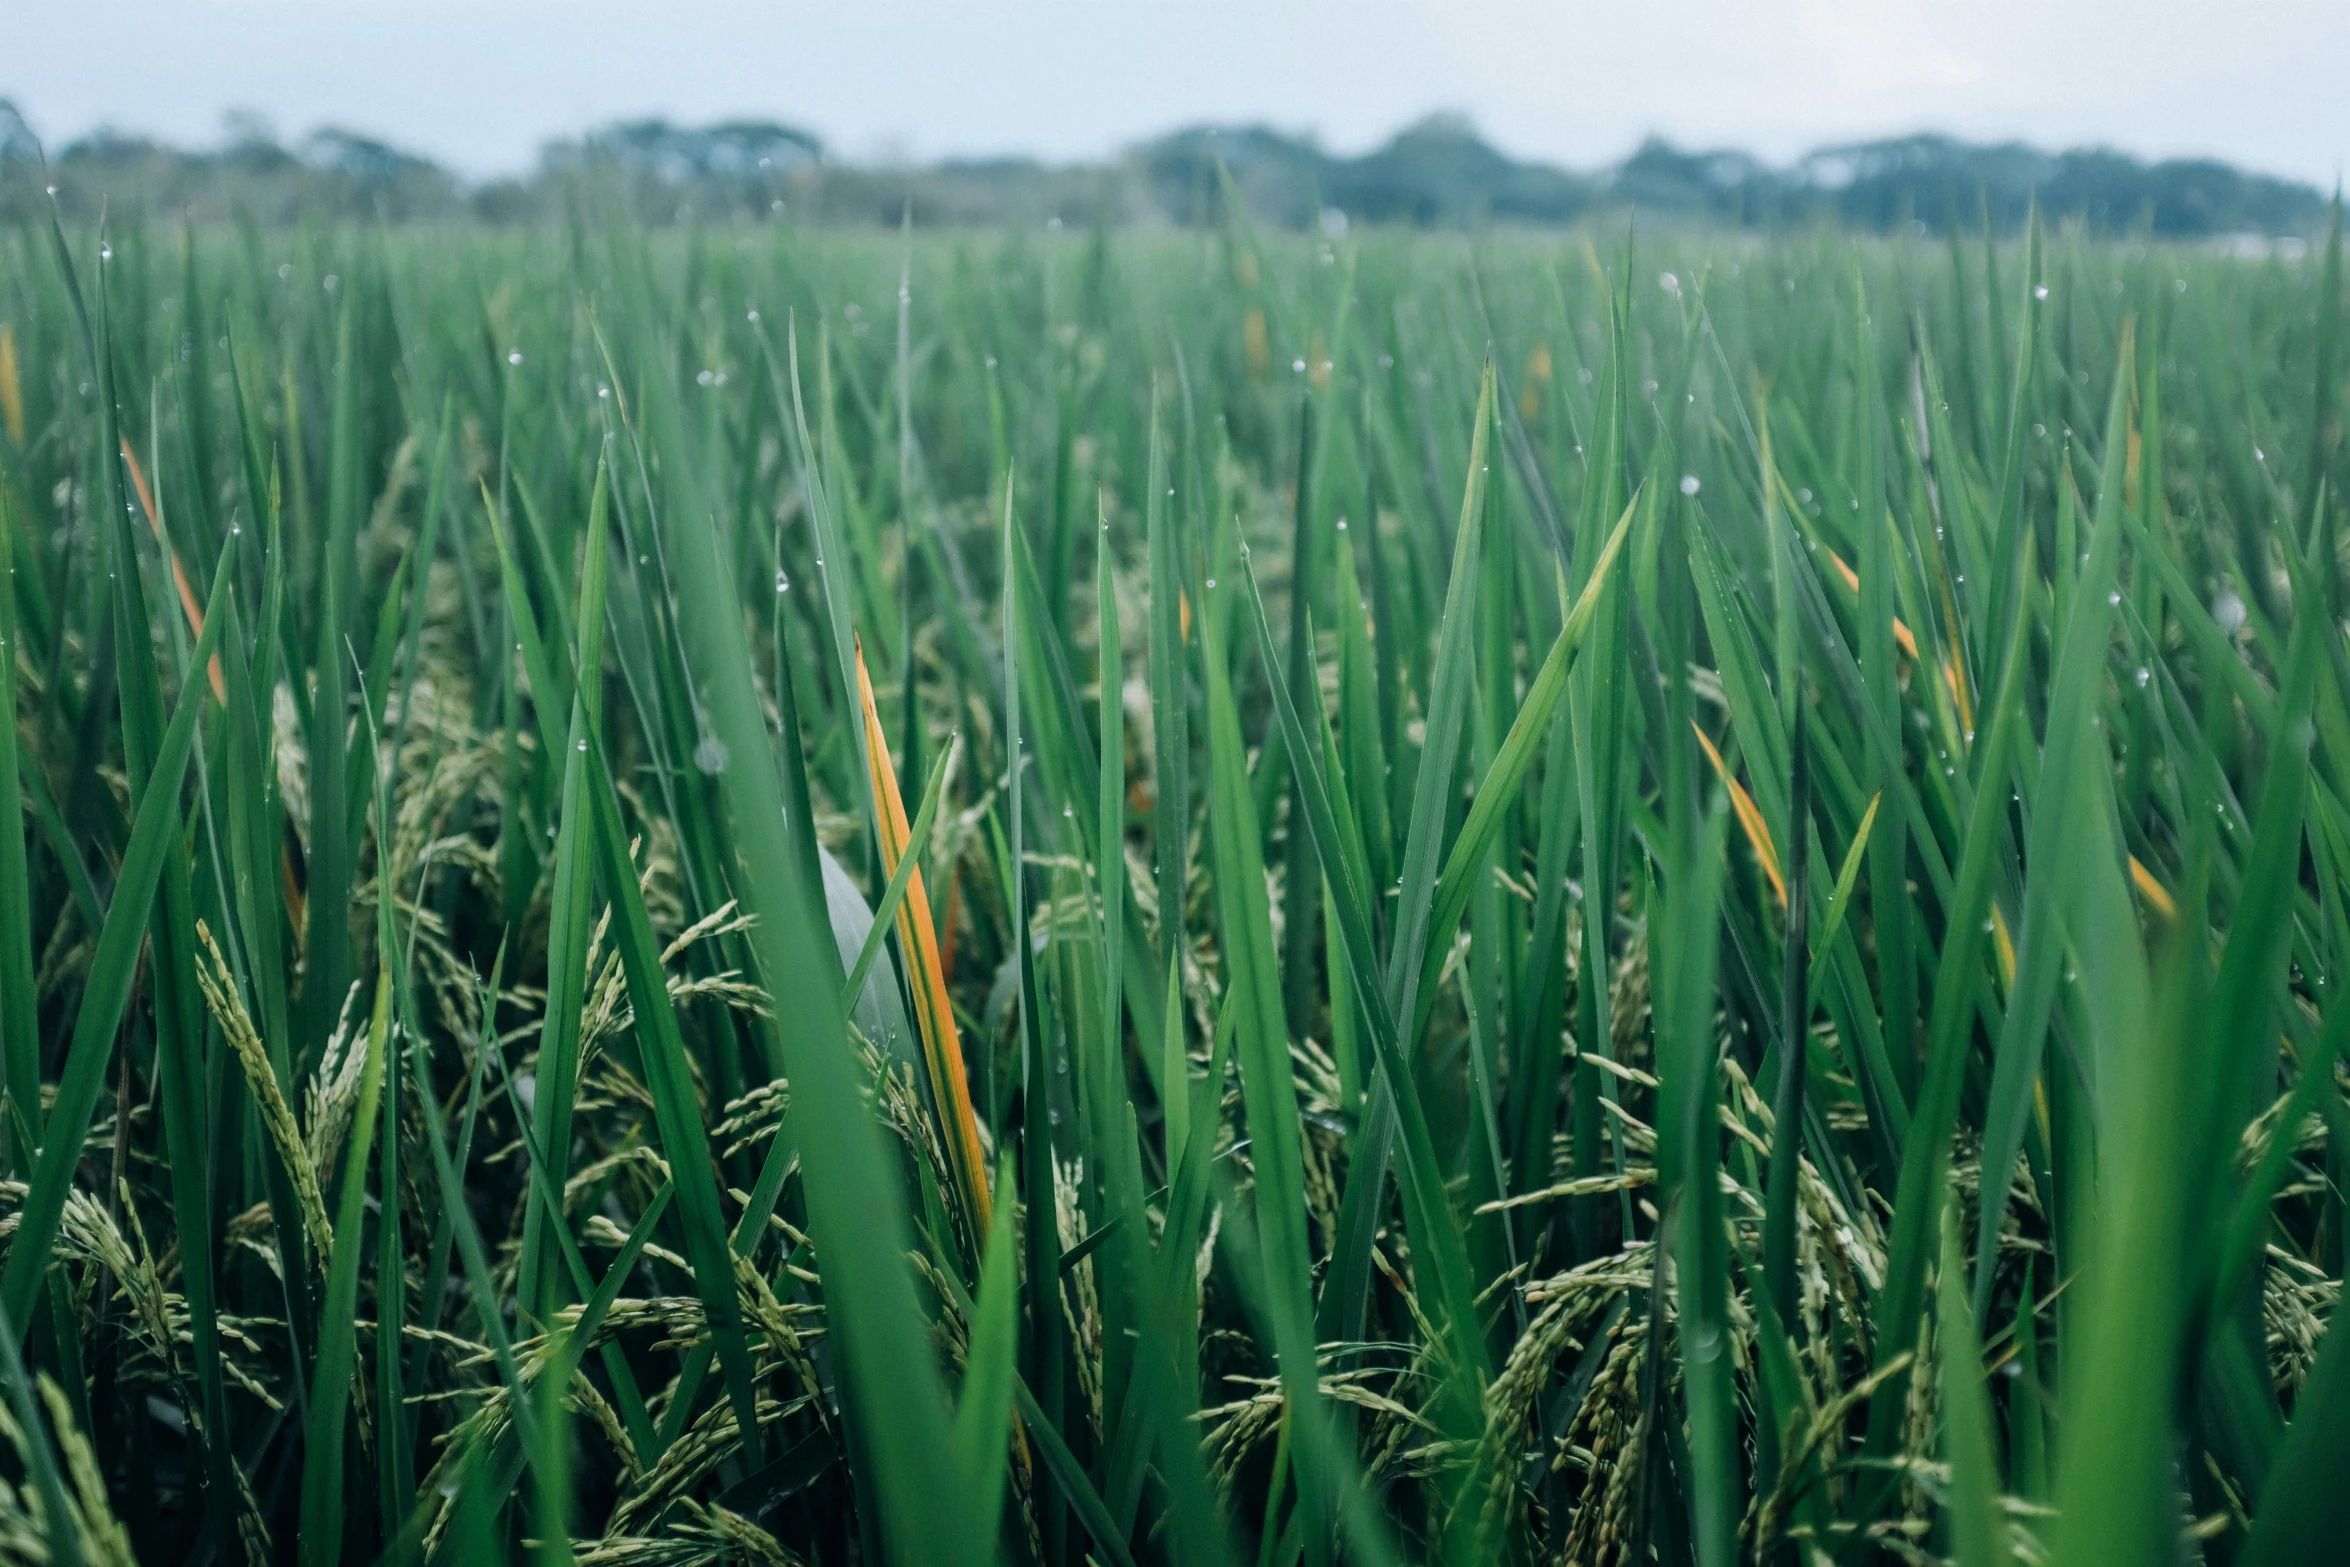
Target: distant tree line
1438,173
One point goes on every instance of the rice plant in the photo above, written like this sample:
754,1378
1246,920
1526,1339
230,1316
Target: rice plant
773,896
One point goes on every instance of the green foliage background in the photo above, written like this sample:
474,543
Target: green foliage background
1677,901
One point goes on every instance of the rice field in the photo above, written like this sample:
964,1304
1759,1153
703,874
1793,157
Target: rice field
791,897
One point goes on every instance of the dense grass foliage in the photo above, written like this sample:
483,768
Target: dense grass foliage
788,897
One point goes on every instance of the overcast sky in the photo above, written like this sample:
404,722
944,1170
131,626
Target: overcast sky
480,83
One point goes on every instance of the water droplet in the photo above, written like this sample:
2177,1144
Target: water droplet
782,583
1298,365
703,379
751,316
2228,610
105,252
583,745
1211,582
2144,675
514,357
1342,524
2040,292
1986,927
2113,598
1689,484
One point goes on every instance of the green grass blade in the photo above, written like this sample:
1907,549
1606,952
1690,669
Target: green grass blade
2074,746
2295,1520
1170,703
330,1392
1978,1534
1498,790
327,975
59,1532
1840,901
107,993
1432,1224
856,1212
1927,1146
20,1023
676,1112
1346,1287
983,1412
569,907
1069,1477
1268,1088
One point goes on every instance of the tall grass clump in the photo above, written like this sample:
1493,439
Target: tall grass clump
792,897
